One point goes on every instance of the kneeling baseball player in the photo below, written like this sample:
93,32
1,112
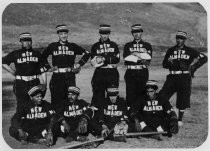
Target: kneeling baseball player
34,121
77,120
114,117
153,114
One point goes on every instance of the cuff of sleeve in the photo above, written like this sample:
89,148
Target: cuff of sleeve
81,62
101,122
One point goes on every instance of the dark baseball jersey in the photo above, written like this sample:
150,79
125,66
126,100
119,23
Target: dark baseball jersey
108,49
152,112
113,112
63,55
33,118
73,111
141,47
27,62
185,55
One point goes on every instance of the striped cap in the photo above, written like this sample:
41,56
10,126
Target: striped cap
152,84
136,28
34,90
181,35
62,28
74,89
104,29
25,36
112,91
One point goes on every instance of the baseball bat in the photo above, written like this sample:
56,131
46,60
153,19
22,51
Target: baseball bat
141,134
72,146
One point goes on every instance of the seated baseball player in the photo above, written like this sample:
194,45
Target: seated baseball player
34,121
154,115
77,120
114,118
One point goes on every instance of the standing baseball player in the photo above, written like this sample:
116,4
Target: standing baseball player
114,115
182,62
64,66
34,121
29,71
104,57
153,114
77,120
137,55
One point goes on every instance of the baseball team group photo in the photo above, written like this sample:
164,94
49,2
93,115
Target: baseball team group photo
104,75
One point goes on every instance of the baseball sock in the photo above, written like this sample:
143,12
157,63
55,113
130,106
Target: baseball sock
181,113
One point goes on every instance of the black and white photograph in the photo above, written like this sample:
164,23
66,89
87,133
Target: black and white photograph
104,75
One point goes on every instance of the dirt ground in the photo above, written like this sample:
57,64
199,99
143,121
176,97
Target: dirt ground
192,135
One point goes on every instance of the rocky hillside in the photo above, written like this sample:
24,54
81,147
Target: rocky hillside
160,22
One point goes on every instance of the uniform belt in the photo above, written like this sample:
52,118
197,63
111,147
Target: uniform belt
110,66
27,78
136,66
62,70
179,72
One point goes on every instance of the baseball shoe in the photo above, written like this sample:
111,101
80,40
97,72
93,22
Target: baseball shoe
24,142
82,138
69,139
180,123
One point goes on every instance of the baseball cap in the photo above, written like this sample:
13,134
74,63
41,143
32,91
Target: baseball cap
73,89
104,29
26,36
181,35
151,84
136,28
112,91
62,28
34,91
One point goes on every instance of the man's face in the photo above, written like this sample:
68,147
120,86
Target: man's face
26,44
113,99
72,97
180,42
151,93
137,35
37,99
104,37
63,36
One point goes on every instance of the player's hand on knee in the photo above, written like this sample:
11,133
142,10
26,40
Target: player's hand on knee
82,126
22,135
66,127
49,138
137,125
105,131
